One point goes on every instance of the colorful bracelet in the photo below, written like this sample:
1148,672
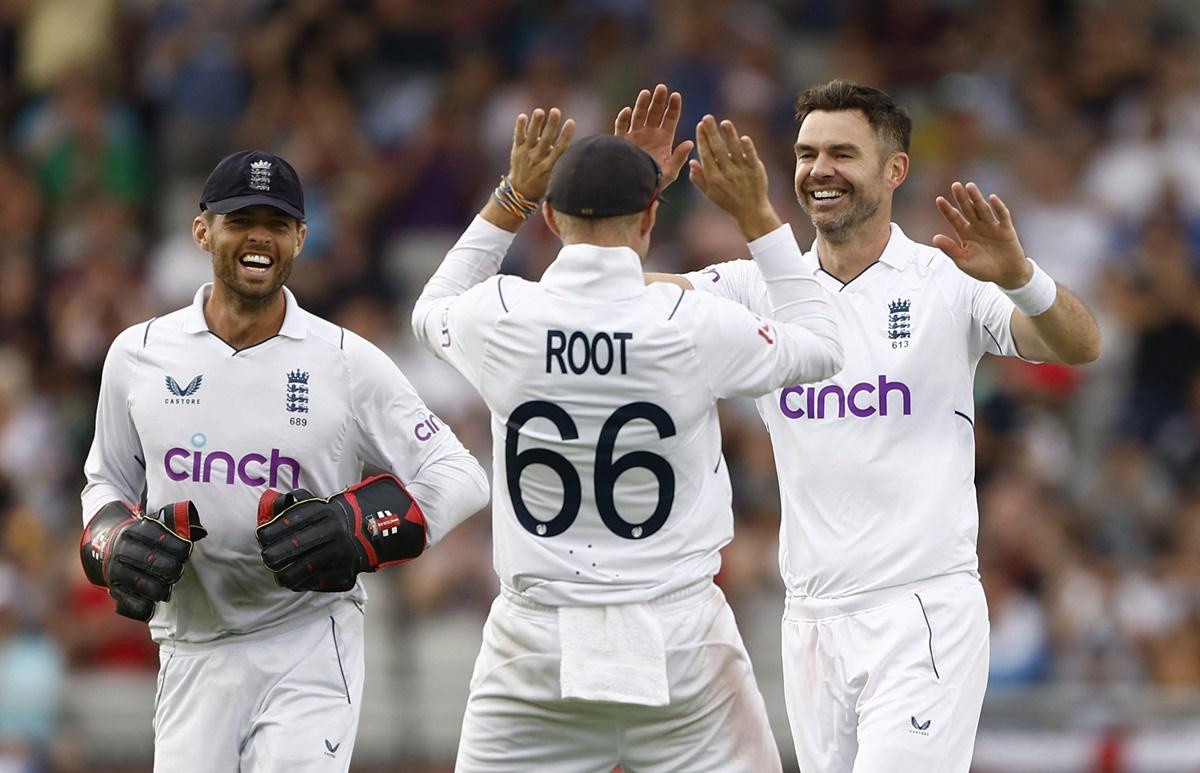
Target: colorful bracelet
512,201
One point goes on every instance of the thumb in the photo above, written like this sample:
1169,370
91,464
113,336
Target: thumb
270,504
697,176
679,157
951,247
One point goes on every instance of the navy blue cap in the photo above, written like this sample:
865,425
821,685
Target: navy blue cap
249,178
603,176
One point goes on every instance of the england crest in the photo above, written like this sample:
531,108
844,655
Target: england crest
297,391
899,319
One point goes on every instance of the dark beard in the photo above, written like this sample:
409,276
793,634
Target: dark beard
840,230
244,300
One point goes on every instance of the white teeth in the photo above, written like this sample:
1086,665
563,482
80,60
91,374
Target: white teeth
260,260
827,194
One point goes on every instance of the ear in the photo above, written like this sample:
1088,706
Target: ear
200,233
896,169
649,218
301,235
548,216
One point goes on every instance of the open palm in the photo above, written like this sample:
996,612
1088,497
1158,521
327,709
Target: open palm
985,243
650,124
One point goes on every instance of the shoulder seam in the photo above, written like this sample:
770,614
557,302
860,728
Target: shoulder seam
682,290
500,291
146,335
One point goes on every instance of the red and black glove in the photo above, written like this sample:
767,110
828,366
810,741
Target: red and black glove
138,557
316,544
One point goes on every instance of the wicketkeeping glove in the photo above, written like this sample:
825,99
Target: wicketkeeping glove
138,557
316,544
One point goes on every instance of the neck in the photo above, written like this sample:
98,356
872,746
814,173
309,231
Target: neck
609,241
243,322
847,258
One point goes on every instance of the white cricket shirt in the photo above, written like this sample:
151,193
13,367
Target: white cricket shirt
183,415
876,465
610,485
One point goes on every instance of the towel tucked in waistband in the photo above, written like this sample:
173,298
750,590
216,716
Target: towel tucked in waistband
613,653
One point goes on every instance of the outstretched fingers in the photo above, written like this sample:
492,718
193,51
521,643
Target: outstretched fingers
624,122
550,130
519,130
749,152
641,109
659,102
1002,213
982,208
674,110
972,206
534,132
733,146
713,155
955,248
953,216
563,141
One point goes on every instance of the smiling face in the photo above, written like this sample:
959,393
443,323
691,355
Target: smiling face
844,175
252,250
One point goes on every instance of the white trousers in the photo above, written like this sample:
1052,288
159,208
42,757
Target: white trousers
268,702
516,719
887,682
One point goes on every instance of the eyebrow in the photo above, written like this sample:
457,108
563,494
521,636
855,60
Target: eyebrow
834,148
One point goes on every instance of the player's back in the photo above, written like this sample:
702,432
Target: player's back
608,476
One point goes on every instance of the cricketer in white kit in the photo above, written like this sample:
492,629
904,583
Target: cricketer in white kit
254,676
885,630
609,643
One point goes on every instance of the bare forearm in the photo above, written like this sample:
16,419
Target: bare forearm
500,217
1066,332
675,279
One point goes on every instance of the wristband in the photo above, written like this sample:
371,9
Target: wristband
512,201
1037,295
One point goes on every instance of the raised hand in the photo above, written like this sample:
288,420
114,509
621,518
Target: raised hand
537,144
985,245
731,175
650,124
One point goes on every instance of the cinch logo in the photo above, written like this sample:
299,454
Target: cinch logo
427,427
198,466
862,399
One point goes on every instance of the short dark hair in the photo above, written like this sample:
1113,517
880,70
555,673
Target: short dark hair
888,120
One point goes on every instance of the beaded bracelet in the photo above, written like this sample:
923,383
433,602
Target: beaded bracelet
512,201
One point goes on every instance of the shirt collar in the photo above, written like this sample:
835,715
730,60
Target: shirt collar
608,273
293,319
897,253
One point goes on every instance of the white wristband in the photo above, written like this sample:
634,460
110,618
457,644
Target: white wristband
1037,295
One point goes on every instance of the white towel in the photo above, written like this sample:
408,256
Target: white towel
613,653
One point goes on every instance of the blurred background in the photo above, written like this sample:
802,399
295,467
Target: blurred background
1084,116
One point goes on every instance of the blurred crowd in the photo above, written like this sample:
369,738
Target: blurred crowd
1084,116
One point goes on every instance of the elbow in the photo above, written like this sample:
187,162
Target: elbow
418,320
1089,351
821,359
481,492
832,363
